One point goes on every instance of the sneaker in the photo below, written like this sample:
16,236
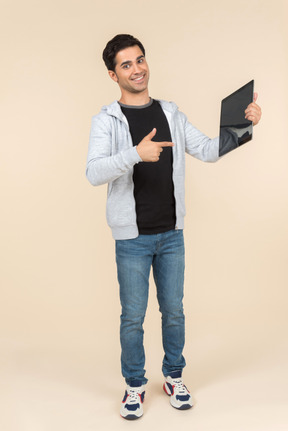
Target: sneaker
132,407
180,397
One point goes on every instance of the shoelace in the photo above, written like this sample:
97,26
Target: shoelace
179,387
133,394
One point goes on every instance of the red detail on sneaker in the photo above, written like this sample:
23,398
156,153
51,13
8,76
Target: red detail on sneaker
164,387
172,392
125,398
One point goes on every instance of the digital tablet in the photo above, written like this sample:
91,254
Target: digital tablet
235,130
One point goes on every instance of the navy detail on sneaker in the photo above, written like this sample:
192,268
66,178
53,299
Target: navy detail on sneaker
142,396
132,407
182,397
171,389
176,374
131,417
125,397
184,407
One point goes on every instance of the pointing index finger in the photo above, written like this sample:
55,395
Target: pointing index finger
165,144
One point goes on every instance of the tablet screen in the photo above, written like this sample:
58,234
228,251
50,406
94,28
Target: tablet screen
233,125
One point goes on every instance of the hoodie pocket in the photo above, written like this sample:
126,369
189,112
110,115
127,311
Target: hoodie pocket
120,210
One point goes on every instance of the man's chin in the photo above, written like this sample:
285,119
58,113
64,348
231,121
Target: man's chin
138,90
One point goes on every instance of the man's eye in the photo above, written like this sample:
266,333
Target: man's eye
141,60
126,66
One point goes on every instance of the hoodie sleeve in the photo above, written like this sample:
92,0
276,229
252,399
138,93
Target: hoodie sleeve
204,148
199,145
102,167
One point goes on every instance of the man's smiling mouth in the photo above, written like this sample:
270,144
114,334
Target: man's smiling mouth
139,78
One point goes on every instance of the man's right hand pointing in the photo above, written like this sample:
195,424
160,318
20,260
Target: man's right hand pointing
149,150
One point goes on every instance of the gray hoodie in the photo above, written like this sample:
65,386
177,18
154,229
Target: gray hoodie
111,157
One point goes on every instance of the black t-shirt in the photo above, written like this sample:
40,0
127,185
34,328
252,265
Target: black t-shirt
153,183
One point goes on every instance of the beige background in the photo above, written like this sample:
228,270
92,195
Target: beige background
59,314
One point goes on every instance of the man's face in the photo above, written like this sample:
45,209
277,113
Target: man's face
131,71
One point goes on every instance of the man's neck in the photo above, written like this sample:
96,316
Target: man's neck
136,99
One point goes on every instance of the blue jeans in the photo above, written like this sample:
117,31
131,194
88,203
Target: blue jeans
163,252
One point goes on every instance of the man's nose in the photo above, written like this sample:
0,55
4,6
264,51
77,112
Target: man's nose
137,68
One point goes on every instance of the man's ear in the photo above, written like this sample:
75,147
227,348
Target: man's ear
113,75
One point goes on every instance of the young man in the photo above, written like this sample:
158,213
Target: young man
137,146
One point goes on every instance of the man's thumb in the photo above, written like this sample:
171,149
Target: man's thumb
151,135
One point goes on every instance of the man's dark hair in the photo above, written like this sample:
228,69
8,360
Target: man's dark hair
119,42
